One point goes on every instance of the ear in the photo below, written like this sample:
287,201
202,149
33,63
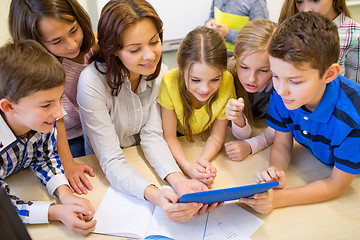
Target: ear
331,73
7,106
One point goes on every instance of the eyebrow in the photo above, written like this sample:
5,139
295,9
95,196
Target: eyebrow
192,76
135,44
58,38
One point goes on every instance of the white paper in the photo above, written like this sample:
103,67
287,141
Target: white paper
124,215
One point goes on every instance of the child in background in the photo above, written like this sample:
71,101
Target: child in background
314,105
224,12
117,96
193,99
251,70
64,29
348,30
31,85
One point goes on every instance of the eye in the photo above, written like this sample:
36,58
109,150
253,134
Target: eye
298,2
45,106
264,70
243,67
215,79
74,30
134,50
295,82
57,42
155,43
195,80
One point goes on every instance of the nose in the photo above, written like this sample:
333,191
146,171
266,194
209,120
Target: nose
252,77
148,53
71,44
58,113
204,88
307,7
282,89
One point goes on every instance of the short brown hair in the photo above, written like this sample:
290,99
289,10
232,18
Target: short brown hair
24,16
307,37
27,67
115,18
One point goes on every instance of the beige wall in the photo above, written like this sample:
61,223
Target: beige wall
4,32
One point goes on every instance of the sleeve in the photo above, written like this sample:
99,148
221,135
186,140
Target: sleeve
352,58
211,15
275,113
47,166
347,155
30,212
226,92
155,148
241,133
258,10
164,98
100,130
262,140
231,36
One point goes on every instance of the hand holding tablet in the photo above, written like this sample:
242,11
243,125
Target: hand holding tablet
227,194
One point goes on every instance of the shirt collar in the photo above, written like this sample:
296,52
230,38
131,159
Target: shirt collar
339,19
7,136
325,109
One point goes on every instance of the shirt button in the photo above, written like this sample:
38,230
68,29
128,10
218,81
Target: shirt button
1,145
306,118
305,132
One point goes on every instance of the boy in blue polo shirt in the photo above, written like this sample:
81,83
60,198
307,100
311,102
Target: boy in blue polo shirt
314,105
31,85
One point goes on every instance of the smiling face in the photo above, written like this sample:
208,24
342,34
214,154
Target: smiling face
141,50
37,111
202,81
324,7
254,71
297,87
61,38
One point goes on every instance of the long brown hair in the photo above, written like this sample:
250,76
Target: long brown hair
253,37
289,9
116,17
24,16
201,45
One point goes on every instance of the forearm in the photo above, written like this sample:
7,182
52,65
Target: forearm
62,144
151,194
262,140
280,155
177,152
211,148
314,192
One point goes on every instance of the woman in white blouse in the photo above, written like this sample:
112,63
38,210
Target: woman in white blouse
117,96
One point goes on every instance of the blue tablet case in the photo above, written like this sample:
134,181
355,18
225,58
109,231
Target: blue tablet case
227,194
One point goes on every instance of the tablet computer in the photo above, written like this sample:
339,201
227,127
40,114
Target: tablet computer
227,194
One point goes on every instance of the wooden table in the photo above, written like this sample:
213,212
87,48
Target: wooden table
333,219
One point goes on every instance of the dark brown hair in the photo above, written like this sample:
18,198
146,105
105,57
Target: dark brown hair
307,37
24,16
289,9
116,17
27,67
201,45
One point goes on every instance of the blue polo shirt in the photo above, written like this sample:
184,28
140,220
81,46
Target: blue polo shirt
332,132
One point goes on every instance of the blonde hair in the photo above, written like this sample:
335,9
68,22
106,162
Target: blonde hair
254,37
289,9
201,45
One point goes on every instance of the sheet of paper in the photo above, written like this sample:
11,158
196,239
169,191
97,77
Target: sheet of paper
161,225
231,222
117,207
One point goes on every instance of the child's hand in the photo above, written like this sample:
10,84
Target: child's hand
234,111
271,174
66,197
261,202
201,173
237,150
72,216
75,173
177,212
209,168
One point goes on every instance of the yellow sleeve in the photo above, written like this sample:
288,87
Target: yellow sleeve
226,93
164,98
